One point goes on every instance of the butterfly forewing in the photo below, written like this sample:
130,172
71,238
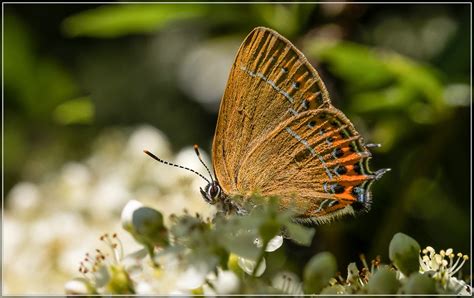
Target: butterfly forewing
270,82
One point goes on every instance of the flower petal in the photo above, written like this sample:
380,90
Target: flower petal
274,243
249,265
127,214
78,286
193,277
226,283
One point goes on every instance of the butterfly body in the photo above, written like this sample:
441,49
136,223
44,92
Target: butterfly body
278,134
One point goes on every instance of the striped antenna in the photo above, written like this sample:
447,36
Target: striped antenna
175,165
196,149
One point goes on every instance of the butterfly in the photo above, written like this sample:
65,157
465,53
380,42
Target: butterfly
278,135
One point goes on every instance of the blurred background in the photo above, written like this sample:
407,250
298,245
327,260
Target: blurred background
87,87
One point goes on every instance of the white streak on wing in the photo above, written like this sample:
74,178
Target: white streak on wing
271,83
305,143
262,76
322,205
285,94
325,187
295,113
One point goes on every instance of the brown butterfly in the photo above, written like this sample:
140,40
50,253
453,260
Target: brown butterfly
278,135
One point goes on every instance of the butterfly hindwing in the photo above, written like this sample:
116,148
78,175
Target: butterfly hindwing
314,161
270,82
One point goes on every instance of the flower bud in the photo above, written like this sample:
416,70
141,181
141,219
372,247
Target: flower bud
404,252
418,283
148,224
145,224
127,214
317,273
384,281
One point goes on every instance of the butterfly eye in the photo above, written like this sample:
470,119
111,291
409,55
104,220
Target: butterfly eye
214,191
312,124
284,69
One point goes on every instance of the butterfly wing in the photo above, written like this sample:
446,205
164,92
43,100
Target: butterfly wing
314,161
270,82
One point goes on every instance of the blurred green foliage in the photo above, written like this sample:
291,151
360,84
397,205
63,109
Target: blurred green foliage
400,72
112,21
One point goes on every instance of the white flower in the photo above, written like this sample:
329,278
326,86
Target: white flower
443,266
288,283
171,277
459,286
272,245
149,138
24,198
193,276
249,265
110,194
78,286
226,282
96,269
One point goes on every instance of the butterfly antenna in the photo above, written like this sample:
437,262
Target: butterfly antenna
196,149
175,165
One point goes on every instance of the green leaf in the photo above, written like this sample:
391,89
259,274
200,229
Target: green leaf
74,111
358,65
37,83
300,234
110,21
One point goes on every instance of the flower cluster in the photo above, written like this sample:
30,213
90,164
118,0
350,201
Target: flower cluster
227,255
442,267
191,256
51,222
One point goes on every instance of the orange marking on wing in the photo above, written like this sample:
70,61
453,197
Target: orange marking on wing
352,157
352,180
346,195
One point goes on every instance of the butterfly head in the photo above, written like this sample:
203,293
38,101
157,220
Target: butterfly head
212,192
